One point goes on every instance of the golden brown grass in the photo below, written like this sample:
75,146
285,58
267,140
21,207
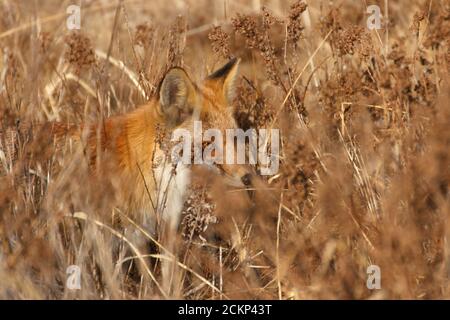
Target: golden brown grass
365,163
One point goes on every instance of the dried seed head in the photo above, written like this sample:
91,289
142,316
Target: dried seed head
143,35
198,214
258,38
80,53
220,42
268,18
295,26
353,39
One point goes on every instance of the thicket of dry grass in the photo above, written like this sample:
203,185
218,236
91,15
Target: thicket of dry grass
364,174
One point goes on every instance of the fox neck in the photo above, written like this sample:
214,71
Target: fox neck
151,166
140,127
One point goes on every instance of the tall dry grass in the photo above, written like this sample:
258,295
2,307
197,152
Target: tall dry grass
364,174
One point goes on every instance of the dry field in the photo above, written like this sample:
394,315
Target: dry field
364,171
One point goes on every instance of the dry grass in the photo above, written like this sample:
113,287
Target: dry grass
365,164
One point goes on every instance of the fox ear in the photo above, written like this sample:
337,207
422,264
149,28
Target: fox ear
174,95
227,76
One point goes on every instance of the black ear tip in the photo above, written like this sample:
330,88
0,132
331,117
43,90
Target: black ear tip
222,72
233,60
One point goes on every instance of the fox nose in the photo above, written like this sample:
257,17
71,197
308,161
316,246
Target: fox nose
246,179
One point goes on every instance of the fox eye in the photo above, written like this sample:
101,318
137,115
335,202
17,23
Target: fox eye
246,179
175,91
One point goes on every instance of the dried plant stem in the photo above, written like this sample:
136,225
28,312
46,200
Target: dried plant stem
277,114
120,65
280,295
84,216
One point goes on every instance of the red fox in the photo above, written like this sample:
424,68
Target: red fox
152,184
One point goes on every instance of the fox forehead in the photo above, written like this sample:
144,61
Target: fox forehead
212,109
211,98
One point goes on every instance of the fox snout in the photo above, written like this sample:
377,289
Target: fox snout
238,176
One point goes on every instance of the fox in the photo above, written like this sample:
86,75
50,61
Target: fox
151,185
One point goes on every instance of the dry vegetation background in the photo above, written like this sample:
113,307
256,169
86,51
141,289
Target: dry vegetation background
364,173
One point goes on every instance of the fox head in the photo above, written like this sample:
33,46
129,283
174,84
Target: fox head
183,103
